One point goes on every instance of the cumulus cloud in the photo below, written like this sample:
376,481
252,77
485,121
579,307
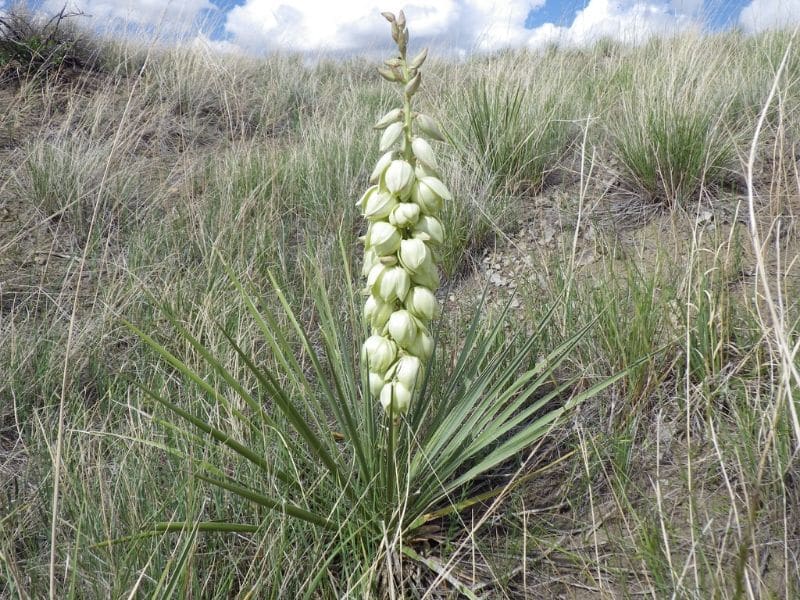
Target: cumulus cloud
766,14
110,14
311,25
629,22
457,26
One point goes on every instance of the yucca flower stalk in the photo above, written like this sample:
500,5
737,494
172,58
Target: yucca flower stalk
402,208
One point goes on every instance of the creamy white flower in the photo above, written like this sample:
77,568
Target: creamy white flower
391,117
377,312
383,238
421,302
392,284
402,398
379,205
438,187
426,274
395,398
380,167
404,214
399,178
413,254
390,136
402,327
422,346
429,228
370,259
362,201
428,200
386,397
424,153
376,383
375,273
379,353
407,370
429,127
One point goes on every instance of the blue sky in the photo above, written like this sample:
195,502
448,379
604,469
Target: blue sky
347,27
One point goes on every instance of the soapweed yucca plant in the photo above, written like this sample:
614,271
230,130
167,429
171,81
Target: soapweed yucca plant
399,437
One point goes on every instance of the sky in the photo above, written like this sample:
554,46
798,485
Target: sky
461,27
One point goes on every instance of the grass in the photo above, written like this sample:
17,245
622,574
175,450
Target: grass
679,480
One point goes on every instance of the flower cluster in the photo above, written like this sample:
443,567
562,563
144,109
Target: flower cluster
402,207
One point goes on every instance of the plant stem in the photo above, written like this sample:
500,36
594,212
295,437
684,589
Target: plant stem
407,154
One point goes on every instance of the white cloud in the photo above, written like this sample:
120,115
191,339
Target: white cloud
312,25
688,7
627,21
171,15
767,14
202,42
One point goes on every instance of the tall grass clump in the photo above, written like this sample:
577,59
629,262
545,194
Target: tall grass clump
68,182
302,415
513,133
668,134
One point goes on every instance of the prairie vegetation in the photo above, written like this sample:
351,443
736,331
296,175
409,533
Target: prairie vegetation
612,185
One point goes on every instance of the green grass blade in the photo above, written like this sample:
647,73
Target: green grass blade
187,372
177,569
227,377
267,502
178,526
217,434
533,432
296,420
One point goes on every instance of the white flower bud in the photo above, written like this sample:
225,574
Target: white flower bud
374,274
365,197
399,178
376,383
380,167
391,117
407,370
429,127
377,312
370,258
421,302
423,195
402,398
404,214
379,205
387,393
402,327
383,238
438,187
395,398
379,353
413,254
417,61
426,275
422,346
390,136
424,153
429,229
413,85
387,74
392,284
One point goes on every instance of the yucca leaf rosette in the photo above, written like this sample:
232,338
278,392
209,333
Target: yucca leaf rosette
402,208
